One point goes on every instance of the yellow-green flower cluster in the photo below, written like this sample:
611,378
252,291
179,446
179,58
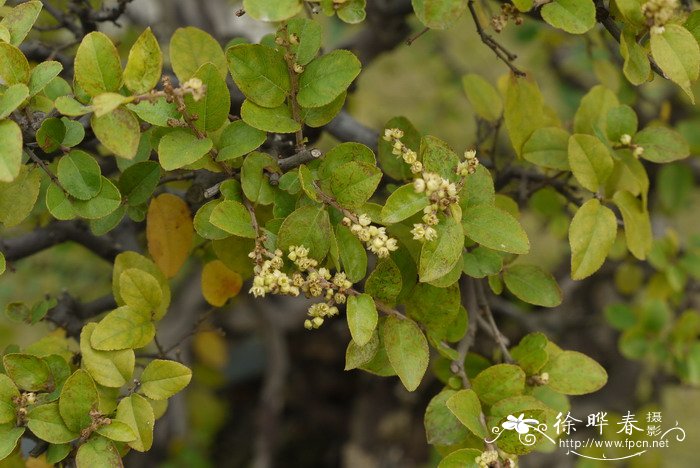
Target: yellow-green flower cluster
658,13
374,238
485,459
269,279
336,290
469,165
399,149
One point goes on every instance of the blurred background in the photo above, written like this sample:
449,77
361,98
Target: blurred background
266,392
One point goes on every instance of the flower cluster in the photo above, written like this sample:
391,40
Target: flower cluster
307,279
269,279
508,12
658,13
486,458
195,87
409,156
469,165
626,140
374,238
442,193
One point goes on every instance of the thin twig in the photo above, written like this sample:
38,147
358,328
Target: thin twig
500,51
485,309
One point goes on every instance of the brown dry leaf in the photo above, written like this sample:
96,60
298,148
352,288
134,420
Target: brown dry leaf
169,232
219,283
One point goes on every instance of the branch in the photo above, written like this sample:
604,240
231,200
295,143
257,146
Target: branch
302,157
57,233
501,52
344,127
70,314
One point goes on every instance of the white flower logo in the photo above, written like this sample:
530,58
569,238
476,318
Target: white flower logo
521,425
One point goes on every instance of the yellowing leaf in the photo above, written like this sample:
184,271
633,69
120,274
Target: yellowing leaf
162,379
219,284
591,235
169,232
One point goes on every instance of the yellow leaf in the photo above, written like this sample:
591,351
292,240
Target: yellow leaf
219,284
169,232
210,348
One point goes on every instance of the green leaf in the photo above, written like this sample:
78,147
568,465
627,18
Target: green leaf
591,236
254,181
548,147
523,112
28,372
531,353
9,436
8,392
466,407
272,10
180,148
145,65
466,458
190,48
362,318
138,182
57,452
105,202
352,254
234,218
441,426
46,423
440,255
636,68
20,19
108,368
319,116
104,103
117,431
590,161
308,226
572,16
80,175
124,327
203,225
678,55
98,452
98,68
403,203
407,350
353,183
140,290
573,373
138,414
156,112
498,382
478,189
661,144
674,186
128,260
385,281
494,228
394,166
435,308
326,77
356,356
239,139
162,379
340,155
439,158
484,98
42,75
274,120
66,105
58,203
438,14
119,131
352,11
309,34
10,151
621,120
481,262
260,72
13,97
14,67
531,284
78,398
211,110
592,114
637,224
